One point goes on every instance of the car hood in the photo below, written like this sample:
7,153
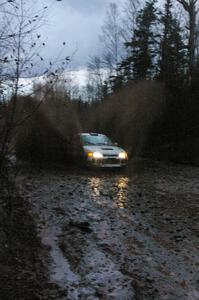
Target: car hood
104,149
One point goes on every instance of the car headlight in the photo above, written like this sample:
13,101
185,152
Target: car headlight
123,155
95,154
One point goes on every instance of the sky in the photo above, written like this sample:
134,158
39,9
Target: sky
76,22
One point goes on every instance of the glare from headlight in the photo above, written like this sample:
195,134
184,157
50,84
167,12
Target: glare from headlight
97,155
123,155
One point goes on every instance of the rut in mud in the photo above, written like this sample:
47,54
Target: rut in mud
117,236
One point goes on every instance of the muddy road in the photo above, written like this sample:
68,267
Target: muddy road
117,236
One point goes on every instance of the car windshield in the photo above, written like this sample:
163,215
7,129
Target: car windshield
96,140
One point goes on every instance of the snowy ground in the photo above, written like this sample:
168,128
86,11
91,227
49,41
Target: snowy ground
115,236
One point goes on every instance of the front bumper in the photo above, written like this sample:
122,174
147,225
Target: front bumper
110,162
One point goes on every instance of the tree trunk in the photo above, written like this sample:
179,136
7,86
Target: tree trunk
190,7
192,37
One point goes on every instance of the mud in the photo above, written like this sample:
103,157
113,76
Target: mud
117,236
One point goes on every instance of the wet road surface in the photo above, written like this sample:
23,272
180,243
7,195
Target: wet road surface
117,236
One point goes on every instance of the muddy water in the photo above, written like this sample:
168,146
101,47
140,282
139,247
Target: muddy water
118,236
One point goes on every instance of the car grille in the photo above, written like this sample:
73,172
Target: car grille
110,155
111,161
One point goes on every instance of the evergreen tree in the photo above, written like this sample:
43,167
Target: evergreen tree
172,48
118,80
140,63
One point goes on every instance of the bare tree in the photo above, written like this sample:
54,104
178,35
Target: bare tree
20,43
19,25
130,9
95,78
112,39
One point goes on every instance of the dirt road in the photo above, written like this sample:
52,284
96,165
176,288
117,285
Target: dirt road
117,236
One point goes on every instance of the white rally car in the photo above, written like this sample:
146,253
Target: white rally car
100,151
